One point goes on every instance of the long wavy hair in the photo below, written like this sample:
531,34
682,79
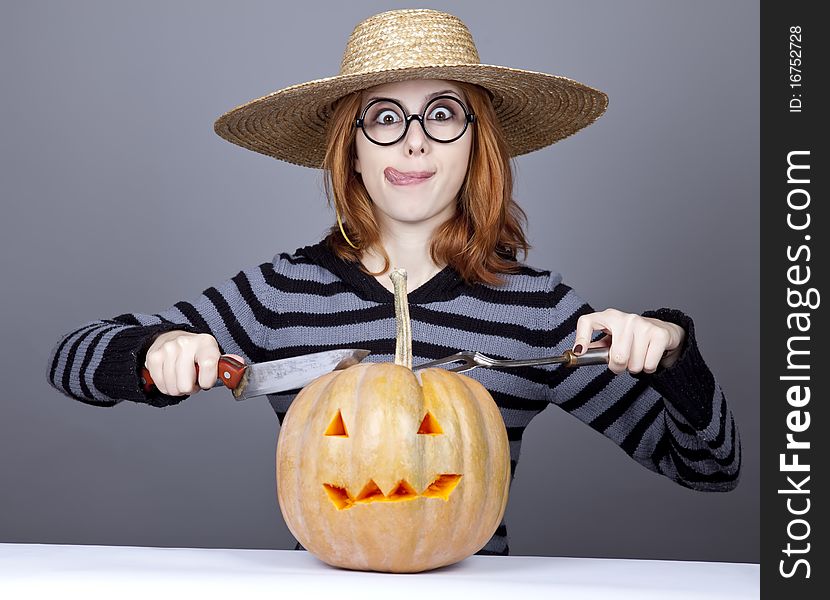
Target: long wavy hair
484,236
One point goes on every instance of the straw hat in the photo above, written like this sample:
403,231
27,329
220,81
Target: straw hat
535,109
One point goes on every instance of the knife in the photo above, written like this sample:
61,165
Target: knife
258,379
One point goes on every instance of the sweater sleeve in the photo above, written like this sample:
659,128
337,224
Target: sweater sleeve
675,422
100,362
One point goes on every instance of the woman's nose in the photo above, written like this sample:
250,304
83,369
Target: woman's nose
415,140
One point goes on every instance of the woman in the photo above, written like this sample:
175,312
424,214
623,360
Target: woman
415,139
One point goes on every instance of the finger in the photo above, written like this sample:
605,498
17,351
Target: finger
603,342
639,348
186,372
585,327
621,339
169,371
656,349
153,364
208,361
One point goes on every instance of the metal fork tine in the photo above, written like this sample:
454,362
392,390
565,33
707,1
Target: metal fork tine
465,357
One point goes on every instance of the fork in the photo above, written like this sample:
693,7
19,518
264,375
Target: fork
471,360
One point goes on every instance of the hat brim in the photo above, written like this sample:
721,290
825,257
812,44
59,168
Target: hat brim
535,109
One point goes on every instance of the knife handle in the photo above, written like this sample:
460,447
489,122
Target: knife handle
229,371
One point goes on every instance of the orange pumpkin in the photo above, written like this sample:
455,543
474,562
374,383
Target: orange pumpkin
384,469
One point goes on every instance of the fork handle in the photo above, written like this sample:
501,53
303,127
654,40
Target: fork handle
592,356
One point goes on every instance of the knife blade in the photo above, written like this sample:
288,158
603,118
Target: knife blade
258,379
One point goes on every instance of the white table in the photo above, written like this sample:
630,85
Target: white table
65,571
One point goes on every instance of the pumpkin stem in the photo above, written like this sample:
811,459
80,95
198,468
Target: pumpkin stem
403,327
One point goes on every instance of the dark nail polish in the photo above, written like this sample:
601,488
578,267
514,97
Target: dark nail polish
578,349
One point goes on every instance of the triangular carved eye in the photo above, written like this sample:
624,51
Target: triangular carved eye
430,425
337,427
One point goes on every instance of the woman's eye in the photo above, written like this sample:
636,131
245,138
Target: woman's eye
441,113
387,117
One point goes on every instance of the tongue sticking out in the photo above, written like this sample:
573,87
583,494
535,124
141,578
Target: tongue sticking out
399,178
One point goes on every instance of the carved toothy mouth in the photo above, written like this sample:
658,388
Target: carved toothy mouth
441,487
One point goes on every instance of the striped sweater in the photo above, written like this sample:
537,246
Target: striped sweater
675,422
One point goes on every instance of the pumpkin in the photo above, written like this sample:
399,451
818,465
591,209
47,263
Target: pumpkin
382,468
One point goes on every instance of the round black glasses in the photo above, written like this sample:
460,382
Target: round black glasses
385,122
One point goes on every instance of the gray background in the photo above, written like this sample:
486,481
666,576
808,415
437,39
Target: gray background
117,196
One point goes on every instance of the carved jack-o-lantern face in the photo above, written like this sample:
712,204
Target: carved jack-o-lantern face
440,487
382,468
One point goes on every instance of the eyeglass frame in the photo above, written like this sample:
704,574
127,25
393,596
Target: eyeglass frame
468,118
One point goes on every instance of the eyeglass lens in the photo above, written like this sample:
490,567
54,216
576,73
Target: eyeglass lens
444,119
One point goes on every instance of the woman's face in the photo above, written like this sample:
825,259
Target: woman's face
426,199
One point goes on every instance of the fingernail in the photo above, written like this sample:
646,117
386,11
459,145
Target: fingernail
578,349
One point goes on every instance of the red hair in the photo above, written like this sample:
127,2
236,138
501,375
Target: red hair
484,236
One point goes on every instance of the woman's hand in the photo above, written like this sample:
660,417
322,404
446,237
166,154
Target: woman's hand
636,343
172,360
